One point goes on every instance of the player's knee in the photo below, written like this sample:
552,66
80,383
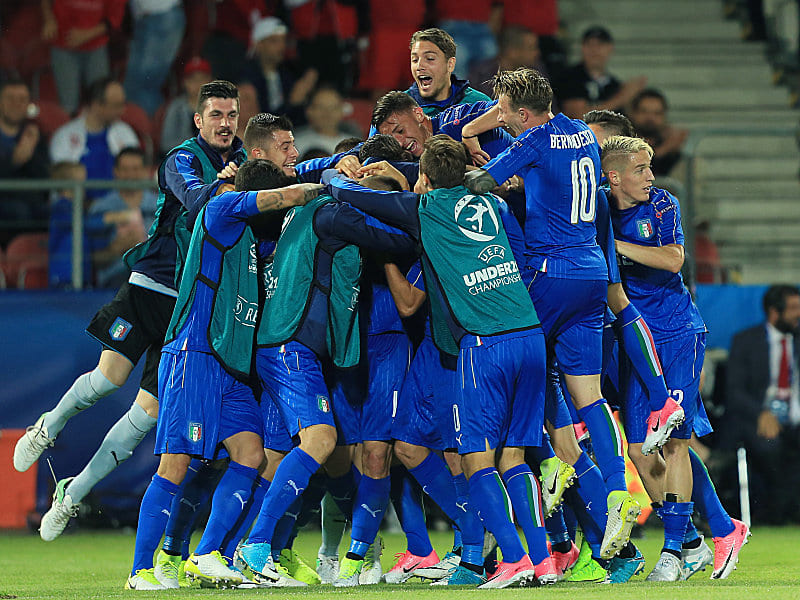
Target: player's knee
409,454
318,441
172,467
115,367
375,459
251,456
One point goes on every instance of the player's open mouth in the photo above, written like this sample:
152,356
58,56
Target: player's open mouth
425,81
411,146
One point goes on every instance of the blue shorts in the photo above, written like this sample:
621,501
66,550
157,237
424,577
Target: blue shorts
291,376
276,436
502,383
425,407
681,360
571,312
200,405
369,418
557,401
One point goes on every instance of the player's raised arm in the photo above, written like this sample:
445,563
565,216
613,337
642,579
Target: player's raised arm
298,194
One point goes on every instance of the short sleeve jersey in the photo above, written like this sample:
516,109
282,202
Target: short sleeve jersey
660,295
559,163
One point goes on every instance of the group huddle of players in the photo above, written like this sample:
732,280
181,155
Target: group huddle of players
441,309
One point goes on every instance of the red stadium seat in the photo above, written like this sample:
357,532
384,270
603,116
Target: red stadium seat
32,276
136,117
23,47
51,117
361,113
26,258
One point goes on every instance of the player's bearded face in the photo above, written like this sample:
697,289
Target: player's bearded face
219,122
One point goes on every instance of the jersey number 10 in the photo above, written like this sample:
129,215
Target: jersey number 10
584,191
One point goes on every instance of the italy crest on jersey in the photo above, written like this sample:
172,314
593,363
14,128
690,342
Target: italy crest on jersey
644,228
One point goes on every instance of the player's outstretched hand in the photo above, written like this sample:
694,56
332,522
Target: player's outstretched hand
348,165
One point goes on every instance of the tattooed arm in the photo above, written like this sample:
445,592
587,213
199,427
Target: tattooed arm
298,194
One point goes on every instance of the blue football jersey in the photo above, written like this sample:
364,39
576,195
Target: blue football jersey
560,165
660,295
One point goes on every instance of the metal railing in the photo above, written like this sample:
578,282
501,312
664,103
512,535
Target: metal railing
690,153
78,189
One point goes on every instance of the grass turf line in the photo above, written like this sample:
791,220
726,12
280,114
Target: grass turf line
84,564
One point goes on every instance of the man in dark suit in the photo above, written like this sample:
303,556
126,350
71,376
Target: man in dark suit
763,404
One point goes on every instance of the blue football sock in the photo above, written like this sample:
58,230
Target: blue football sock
526,498
675,515
538,454
436,481
468,523
372,498
556,527
289,482
570,520
312,502
285,527
490,499
227,505
705,497
406,496
343,491
246,520
587,499
607,443
196,489
691,533
153,515
641,351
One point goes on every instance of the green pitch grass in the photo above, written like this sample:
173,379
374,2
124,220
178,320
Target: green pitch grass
95,565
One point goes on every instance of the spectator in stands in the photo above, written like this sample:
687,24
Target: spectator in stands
120,219
158,27
23,154
588,85
707,262
326,128
248,100
79,31
649,116
391,25
763,405
279,89
226,45
541,17
435,88
326,34
179,118
60,239
473,25
97,135
519,47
